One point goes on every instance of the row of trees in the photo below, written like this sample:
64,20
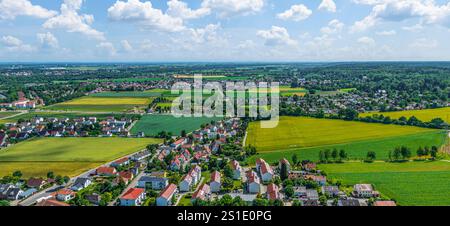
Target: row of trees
327,155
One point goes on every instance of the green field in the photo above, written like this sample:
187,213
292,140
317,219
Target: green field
151,125
4,114
302,132
127,94
424,115
102,104
411,183
359,149
66,155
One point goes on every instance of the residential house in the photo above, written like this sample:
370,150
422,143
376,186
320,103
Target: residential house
94,199
273,192
384,203
332,191
51,202
351,202
65,195
37,183
311,194
132,197
266,172
203,193
186,183
253,182
286,162
237,169
155,183
300,191
121,162
165,197
81,183
364,191
321,180
106,171
28,193
215,183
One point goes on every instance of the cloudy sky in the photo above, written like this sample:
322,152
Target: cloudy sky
224,30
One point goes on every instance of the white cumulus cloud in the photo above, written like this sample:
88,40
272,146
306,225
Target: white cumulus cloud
72,22
146,15
47,40
14,44
10,9
328,5
296,13
334,26
180,9
276,36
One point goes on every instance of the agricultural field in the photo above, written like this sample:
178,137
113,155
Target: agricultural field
359,149
102,104
68,156
127,94
410,183
47,114
423,115
4,114
151,125
303,132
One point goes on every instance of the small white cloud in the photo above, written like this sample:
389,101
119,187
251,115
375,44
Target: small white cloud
386,33
106,48
180,9
247,44
207,34
424,43
295,13
413,28
233,7
366,41
334,26
10,9
126,46
14,44
328,5
276,36
47,40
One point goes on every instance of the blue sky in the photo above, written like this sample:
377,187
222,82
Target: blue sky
224,30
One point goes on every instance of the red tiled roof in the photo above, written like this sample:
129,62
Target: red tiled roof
106,170
385,203
252,177
121,161
126,174
133,193
202,192
265,168
272,192
65,191
168,191
235,165
51,202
